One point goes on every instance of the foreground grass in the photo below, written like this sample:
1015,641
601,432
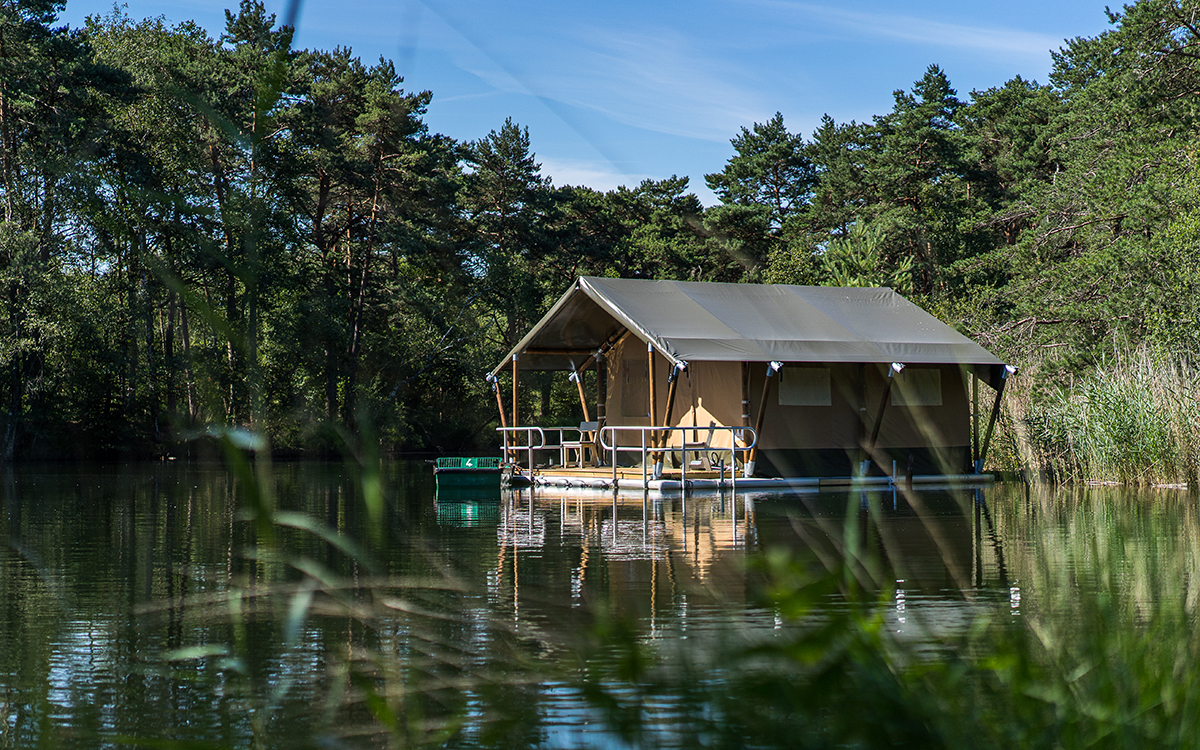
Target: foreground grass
1103,654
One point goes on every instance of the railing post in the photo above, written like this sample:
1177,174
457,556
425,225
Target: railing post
645,484
683,453
612,452
733,466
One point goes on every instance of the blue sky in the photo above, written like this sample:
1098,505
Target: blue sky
616,92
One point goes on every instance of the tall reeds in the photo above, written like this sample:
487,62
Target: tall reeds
1134,419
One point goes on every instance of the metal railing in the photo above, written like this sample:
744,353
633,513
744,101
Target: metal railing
485,462
561,445
509,448
512,448
735,434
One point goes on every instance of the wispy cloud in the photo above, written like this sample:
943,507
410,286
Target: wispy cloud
923,31
653,80
596,175
657,80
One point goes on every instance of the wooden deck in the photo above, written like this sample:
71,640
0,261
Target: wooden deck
623,472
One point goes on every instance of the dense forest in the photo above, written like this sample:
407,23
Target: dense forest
231,231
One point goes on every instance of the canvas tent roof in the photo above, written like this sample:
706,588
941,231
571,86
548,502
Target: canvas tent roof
705,321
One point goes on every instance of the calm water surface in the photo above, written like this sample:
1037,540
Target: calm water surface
137,603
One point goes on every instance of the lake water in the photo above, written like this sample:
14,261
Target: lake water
138,604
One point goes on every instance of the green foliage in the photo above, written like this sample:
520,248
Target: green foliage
764,190
510,206
771,170
272,238
858,260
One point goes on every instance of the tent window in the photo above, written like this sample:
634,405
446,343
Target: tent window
804,386
635,391
918,388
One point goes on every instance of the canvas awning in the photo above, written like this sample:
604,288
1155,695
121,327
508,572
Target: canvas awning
704,321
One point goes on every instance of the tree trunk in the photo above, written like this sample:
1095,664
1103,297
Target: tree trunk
189,379
6,139
16,380
231,310
351,398
169,355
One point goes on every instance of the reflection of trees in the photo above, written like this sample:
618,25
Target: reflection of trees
1141,545
104,573
107,568
938,542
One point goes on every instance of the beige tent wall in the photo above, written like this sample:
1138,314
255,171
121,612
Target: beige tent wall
800,440
627,391
628,386
832,426
933,426
706,392
855,393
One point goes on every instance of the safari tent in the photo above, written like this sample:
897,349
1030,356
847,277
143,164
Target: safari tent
835,382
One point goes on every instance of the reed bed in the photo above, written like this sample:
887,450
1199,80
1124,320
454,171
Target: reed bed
1134,419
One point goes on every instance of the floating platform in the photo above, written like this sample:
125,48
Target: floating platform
672,480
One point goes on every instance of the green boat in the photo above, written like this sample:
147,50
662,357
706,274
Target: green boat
468,490
468,472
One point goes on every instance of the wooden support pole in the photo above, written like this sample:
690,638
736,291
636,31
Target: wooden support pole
673,382
500,406
653,408
974,418
987,437
883,402
597,358
653,391
745,415
745,394
601,390
499,403
671,400
758,423
515,405
578,378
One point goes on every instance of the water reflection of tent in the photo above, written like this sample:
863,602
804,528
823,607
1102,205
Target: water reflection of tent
521,527
634,539
696,531
679,556
935,541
